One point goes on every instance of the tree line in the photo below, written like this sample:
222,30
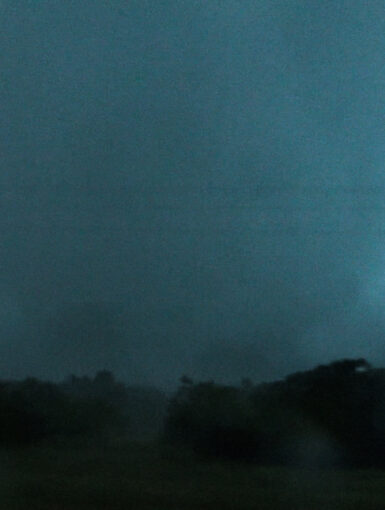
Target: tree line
99,407
331,415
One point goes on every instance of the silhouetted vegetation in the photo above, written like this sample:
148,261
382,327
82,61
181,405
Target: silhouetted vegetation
32,411
332,415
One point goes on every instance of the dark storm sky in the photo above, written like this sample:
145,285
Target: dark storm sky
191,186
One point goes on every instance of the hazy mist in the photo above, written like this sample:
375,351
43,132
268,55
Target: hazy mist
190,186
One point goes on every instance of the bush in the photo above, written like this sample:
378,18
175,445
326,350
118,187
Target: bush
214,420
330,415
32,411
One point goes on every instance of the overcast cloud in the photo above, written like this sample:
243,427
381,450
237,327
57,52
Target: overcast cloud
190,186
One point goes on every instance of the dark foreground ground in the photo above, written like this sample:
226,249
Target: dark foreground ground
137,476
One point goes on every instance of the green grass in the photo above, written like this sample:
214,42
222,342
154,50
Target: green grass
137,476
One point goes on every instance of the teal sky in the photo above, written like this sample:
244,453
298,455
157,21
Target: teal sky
191,186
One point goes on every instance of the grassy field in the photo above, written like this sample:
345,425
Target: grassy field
137,476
